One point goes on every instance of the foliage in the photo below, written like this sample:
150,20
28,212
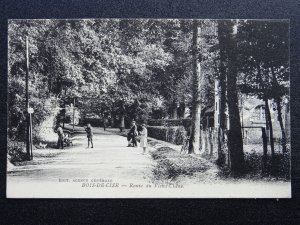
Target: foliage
264,45
169,122
95,122
170,164
132,67
276,168
171,134
137,69
16,151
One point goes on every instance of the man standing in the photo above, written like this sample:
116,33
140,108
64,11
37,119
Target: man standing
89,132
60,133
105,124
131,136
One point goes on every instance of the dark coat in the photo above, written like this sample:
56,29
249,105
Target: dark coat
133,130
60,132
89,132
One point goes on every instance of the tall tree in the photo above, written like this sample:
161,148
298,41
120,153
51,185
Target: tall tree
222,93
235,139
264,63
196,89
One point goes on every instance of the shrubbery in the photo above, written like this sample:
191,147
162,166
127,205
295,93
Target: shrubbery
157,132
170,122
173,135
170,130
16,151
170,164
278,167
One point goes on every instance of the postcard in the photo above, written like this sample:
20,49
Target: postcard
148,108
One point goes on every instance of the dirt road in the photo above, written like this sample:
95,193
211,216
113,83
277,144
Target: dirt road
110,161
112,170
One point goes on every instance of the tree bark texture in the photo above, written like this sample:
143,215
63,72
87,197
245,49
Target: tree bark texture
235,139
268,117
196,109
175,108
222,93
279,111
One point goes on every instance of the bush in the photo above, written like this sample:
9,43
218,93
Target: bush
170,164
180,135
276,168
280,166
170,122
16,151
157,132
173,135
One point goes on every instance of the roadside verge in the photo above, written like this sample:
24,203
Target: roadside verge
173,166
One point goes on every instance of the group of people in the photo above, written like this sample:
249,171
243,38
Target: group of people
132,135
63,138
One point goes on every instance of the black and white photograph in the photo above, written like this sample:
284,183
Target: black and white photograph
148,108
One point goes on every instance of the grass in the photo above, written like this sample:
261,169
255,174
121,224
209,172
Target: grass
277,168
171,165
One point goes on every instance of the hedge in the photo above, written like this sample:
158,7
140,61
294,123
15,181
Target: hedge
170,122
172,134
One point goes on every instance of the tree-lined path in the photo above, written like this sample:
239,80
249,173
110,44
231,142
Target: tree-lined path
185,79
109,159
126,167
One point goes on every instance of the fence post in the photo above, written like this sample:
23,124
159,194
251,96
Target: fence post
73,113
211,142
265,149
166,135
28,142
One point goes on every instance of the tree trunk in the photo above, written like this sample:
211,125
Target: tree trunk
265,150
112,120
206,138
269,121
211,142
122,117
195,134
283,135
269,125
279,112
235,139
222,93
287,120
182,111
64,108
122,123
196,108
175,108
221,147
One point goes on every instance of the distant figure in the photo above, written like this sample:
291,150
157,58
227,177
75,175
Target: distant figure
89,132
131,136
144,135
105,124
60,133
67,140
122,125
